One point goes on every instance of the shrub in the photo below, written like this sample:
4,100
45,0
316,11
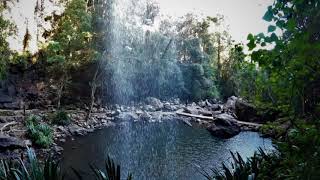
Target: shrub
260,166
32,169
60,117
112,171
41,134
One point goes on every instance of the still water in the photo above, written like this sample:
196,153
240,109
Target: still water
158,151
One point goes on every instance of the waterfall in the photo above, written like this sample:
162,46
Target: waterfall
140,61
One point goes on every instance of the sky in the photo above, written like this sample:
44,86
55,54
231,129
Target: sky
242,16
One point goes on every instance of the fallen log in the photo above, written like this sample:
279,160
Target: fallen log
181,113
194,115
7,125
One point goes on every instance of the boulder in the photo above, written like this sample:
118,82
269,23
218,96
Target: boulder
230,104
176,101
13,105
170,107
193,109
246,112
149,108
76,130
205,113
156,116
224,127
202,103
215,107
8,142
127,116
145,116
156,103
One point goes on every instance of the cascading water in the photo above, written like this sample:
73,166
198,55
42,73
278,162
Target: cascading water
140,61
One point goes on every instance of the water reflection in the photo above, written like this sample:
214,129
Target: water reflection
159,151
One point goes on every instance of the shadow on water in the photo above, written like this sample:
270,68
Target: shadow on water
167,150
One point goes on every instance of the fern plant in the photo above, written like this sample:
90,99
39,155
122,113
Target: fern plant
32,169
40,133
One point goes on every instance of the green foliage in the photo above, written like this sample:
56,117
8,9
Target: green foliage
289,72
273,128
49,169
260,166
5,53
60,117
112,171
284,76
40,133
298,159
301,154
30,170
71,46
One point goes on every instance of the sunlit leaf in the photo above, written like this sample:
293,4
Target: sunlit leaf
271,28
268,15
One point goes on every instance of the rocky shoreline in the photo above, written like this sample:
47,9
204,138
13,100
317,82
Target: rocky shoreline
221,120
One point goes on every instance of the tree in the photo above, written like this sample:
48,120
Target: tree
290,71
5,53
71,46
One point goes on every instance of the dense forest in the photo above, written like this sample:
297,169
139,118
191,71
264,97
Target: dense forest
92,58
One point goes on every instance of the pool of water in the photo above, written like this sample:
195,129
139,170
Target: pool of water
157,151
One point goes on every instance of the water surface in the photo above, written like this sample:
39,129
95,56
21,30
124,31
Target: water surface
158,151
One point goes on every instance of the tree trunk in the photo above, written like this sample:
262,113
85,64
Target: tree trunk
219,56
60,90
94,85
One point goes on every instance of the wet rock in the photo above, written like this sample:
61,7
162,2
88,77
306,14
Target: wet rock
205,112
13,105
169,107
176,101
127,116
207,103
246,112
57,149
230,104
193,109
202,103
224,127
27,142
145,116
76,130
61,128
149,108
156,103
156,116
116,112
90,130
215,107
139,112
8,142
169,116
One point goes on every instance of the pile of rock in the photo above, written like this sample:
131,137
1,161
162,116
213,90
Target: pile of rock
224,120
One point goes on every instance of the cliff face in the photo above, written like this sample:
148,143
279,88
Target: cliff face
34,19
